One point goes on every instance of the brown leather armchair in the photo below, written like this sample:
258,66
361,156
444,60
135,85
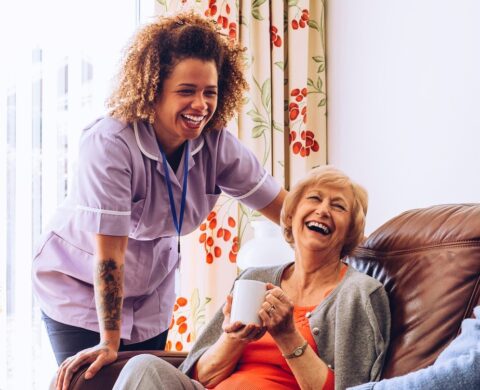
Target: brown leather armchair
429,261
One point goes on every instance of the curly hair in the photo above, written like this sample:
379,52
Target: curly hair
328,176
154,52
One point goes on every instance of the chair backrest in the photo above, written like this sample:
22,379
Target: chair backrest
107,376
429,261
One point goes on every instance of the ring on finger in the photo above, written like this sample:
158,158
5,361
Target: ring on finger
271,310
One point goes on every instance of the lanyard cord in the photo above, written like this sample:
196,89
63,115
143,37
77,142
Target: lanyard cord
177,222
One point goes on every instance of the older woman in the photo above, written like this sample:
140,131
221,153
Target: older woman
323,322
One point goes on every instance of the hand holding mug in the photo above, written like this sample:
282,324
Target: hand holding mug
242,308
277,312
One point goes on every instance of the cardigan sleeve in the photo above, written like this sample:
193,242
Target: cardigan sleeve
207,338
362,337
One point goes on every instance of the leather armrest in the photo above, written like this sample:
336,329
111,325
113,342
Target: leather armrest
106,377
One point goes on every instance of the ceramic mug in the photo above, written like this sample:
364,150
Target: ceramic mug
248,296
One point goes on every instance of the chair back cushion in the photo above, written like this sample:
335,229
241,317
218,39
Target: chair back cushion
429,262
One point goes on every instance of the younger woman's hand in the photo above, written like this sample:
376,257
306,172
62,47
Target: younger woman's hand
99,356
244,333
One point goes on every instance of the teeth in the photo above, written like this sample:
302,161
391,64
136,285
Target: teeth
193,118
320,227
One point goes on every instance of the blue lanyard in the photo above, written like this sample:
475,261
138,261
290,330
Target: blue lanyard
178,222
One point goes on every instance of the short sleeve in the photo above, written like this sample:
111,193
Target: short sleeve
103,192
240,174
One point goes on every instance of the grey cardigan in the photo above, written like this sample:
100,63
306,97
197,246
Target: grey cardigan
351,327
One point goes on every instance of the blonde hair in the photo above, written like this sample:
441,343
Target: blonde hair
328,176
154,52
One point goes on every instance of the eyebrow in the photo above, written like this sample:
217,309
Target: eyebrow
195,86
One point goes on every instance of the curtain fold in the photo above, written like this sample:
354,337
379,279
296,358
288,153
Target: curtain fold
283,121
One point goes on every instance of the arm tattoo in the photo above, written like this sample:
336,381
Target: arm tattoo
110,293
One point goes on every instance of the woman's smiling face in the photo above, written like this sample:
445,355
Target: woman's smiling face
186,103
322,218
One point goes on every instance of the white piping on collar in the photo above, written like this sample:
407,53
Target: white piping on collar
202,141
262,180
137,138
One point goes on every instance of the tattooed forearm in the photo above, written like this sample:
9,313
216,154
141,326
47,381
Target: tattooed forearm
109,278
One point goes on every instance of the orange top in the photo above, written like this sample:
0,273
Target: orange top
262,366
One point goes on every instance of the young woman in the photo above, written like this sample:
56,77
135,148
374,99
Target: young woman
148,172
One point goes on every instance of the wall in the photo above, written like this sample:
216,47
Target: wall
404,101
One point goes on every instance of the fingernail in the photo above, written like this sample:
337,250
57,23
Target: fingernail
88,375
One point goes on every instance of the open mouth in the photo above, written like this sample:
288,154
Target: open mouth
318,227
193,120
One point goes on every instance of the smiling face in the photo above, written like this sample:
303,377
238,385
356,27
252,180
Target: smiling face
322,218
187,102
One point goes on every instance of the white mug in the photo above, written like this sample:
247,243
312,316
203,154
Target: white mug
248,296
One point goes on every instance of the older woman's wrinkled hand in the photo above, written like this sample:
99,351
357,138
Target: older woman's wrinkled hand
238,331
277,312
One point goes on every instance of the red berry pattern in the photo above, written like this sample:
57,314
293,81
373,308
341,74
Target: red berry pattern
306,143
299,103
180,322
276,38
302,21
210,233
222,19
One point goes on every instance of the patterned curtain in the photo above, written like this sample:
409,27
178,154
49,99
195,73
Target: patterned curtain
283,121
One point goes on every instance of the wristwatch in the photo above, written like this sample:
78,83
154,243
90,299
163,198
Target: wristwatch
297,352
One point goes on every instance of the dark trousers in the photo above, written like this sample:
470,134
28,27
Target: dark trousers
67,340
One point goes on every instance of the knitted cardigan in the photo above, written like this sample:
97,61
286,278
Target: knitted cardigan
351,327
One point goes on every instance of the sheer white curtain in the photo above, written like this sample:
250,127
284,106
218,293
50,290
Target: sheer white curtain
58,57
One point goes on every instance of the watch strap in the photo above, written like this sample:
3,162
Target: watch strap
297,352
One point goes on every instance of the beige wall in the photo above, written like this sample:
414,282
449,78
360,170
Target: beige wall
404,100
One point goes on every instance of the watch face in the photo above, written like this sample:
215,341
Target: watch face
297,351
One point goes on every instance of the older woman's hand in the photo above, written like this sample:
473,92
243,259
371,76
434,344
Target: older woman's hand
238,331
277,312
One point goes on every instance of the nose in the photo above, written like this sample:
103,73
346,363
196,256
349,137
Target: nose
323,209
199,102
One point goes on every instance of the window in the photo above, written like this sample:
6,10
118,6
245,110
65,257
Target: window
58,58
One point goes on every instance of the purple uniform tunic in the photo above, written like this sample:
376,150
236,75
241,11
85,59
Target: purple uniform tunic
121,191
